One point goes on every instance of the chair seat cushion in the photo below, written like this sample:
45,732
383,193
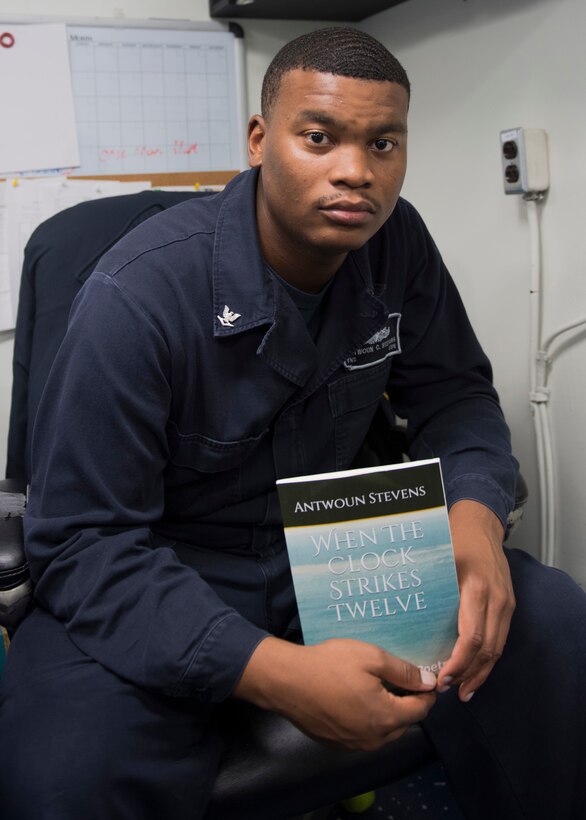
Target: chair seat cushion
271,770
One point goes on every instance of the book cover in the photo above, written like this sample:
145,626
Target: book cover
371,557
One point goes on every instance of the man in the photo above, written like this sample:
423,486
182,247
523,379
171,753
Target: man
216,348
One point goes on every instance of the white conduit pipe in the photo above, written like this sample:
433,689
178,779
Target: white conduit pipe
534,288
539,395
550,466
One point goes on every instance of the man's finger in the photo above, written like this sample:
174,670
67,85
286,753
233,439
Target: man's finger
488,655
405,676
471,631
403,712
410,709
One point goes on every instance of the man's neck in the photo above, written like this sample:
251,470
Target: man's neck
306,274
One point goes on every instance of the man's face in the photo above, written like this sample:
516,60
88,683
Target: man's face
333,157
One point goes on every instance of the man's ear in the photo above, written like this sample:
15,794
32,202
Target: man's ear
256,135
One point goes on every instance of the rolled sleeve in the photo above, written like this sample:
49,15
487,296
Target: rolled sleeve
220,659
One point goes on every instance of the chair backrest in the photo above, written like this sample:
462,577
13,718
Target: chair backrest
59,257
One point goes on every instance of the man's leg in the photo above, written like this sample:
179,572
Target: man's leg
518,748
78,742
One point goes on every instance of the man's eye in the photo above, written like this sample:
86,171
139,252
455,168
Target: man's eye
383,145
317,138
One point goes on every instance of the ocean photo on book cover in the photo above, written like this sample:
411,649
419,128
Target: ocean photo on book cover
372,559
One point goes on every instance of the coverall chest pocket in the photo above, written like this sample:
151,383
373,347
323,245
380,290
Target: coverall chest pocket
198,461
353,401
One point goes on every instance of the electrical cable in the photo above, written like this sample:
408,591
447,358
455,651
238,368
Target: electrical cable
565,329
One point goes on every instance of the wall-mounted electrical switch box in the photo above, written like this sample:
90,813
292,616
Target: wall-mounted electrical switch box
524,160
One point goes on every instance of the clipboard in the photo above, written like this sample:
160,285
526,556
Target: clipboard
38,123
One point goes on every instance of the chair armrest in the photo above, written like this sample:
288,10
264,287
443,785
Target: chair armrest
15,583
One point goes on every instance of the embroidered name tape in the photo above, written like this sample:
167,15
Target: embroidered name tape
384,343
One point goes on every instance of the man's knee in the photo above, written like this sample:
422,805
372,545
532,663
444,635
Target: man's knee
550,615
79,742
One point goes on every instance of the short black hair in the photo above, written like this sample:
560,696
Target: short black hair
339,50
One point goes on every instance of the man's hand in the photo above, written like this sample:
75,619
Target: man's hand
487,600
333,691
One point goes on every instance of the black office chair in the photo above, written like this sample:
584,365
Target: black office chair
270,769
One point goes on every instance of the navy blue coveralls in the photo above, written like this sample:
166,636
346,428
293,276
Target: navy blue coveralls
186,384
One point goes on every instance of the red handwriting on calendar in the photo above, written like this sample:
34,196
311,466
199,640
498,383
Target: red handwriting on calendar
117,153
181,147
106,154
148,151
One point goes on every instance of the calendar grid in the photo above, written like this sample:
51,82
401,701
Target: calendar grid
153,101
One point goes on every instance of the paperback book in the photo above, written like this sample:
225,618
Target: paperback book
371,557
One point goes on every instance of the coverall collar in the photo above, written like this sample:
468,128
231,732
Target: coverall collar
243,285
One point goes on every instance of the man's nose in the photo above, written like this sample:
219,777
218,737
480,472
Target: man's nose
351,166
